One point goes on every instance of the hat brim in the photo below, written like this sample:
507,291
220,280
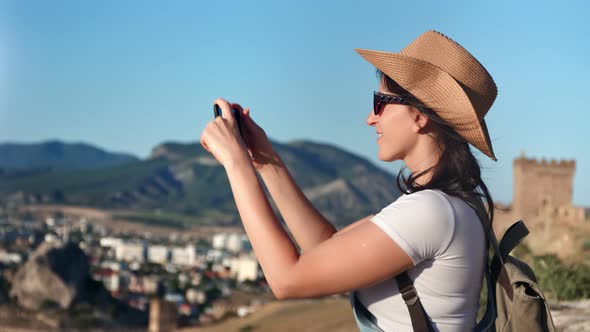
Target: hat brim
436,89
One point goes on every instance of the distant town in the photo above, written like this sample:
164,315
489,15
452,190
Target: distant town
194,274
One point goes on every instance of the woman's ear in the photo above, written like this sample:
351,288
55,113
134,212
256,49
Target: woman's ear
420,120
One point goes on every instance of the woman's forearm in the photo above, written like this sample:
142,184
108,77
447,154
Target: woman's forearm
308,226
272,245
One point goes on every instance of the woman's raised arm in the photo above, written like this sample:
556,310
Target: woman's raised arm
331,267
307,225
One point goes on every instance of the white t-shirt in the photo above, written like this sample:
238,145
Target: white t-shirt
444,237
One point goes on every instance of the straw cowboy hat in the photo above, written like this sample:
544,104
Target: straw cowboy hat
447,79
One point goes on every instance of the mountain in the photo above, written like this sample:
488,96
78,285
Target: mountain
181,184
58,155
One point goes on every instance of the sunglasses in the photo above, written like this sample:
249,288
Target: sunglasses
381,99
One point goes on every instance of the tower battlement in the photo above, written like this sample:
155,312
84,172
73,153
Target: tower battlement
551,163
541,183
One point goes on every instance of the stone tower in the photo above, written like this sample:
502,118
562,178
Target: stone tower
539,184
162,316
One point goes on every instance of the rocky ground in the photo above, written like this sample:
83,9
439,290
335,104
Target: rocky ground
572,316
53,289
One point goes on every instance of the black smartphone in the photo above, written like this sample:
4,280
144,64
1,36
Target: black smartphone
235,112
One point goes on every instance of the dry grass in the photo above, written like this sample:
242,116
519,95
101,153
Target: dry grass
329,314
106,219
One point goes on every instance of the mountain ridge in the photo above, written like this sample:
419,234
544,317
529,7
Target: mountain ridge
56,154
183,178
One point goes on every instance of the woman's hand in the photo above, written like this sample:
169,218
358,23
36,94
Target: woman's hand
258,144
222,139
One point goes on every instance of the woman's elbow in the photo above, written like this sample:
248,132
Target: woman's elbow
280,293
284,290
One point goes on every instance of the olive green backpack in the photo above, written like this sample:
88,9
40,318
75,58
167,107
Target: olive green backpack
517,302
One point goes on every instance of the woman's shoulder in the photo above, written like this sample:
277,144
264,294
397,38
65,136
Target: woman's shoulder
421,223
429,204
432,198
436,201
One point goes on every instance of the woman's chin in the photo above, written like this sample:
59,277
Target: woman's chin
383,157
388,155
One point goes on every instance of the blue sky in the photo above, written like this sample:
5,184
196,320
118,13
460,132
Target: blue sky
127,75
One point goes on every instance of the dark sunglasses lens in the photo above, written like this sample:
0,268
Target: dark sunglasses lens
377,105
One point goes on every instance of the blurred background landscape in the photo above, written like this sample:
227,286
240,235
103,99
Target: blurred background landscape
107,197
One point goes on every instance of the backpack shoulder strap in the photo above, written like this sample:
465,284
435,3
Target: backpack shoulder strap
420,321
487,321
477,205
512,237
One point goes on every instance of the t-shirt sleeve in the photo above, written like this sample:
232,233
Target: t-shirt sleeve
421,223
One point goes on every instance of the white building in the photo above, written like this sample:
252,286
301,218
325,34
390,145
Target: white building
115,266
218,241
10,257
215,255
130,252
244,267
226,261
186,256
110,242
232,242
235,242
158,254
112,282
195,296
50,222
51,238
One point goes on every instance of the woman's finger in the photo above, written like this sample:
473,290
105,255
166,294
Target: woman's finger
246,115
225,109
203,143
206,147
237,106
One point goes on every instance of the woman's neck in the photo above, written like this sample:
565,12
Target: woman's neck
425,155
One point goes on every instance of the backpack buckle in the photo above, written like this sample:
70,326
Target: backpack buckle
409,295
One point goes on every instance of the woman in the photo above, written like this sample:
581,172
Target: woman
431,102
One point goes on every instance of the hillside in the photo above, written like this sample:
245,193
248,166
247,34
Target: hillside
180,179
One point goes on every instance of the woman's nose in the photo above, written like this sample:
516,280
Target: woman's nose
371,118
